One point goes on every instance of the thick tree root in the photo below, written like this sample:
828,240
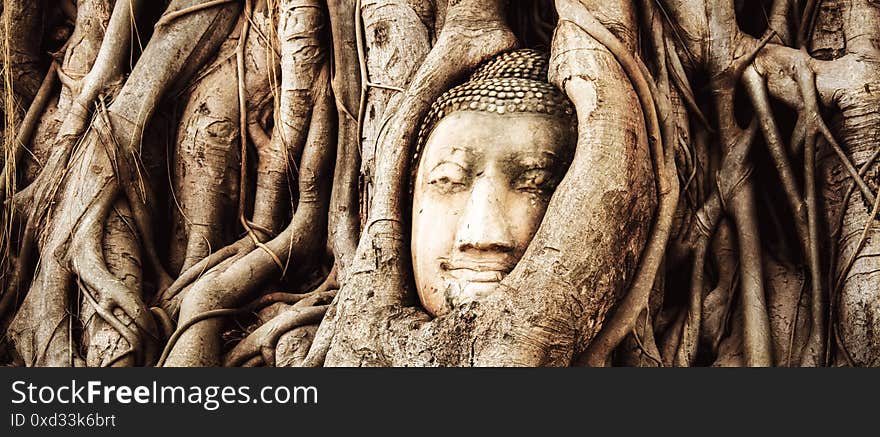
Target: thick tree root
301,239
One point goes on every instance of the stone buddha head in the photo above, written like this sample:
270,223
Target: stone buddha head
489,156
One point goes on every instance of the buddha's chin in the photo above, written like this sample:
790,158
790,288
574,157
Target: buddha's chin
469,291
456,292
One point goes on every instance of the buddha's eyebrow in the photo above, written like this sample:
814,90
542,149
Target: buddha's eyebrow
453,154
536,159
469,151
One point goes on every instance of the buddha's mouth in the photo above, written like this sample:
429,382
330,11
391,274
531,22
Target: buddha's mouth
477,271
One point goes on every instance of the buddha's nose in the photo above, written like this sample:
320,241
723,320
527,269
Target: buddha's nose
484,225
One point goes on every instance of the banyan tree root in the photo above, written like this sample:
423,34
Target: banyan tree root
297,45
237,278
806,85
387,71
103,168
206,175
21,55
105,344
265,339
636,301
344,227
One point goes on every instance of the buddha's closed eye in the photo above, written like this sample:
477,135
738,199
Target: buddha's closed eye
448,177
536,180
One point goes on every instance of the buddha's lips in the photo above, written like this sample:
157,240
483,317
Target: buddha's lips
477,271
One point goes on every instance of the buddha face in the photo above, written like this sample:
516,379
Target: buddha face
481,190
